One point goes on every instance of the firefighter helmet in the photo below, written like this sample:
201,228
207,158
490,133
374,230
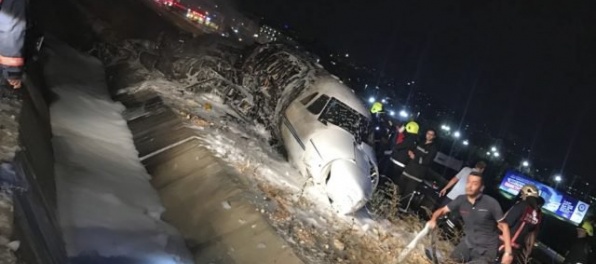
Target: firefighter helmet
376,108
529,190
587,226
412,127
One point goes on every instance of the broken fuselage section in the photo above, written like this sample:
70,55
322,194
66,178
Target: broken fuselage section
324,127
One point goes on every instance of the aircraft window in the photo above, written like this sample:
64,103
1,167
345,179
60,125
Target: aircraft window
343,116
317,106
309,98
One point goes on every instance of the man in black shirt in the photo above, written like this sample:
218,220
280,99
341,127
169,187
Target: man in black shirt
483,218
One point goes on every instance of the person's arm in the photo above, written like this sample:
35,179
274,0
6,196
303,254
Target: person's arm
506,233
452,206
453,181
504,227
428,159
436,215
450,184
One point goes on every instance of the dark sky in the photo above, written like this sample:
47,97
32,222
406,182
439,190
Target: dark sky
527,66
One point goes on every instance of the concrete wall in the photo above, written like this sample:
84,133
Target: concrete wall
35,206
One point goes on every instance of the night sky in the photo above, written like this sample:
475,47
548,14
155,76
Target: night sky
526,67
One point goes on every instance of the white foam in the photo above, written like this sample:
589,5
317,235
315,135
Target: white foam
106,205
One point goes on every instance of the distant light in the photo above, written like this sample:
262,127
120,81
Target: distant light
403,113
497,154
457,134
235,30
558,178
488,153
240,39
377,128
384,101
466,142
493,149
347,55
256,35
371,100
413,82
526,163
391,113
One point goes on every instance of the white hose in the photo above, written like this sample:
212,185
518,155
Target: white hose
402,256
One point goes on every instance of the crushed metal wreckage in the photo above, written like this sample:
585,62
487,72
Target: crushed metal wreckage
324,127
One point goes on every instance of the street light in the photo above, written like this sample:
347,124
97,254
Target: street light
525,163
497,154
457,134
558,178
384,101
493,149
391,113
466,142
403,113
371,100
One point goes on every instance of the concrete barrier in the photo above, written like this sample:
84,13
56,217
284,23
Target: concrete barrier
34,196
205,199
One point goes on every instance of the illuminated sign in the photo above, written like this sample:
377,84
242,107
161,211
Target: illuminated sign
556,202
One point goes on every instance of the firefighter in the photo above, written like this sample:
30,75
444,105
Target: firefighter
415,171
581,250
405,141
12,39
524,219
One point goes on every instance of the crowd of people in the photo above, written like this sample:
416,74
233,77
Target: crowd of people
490,235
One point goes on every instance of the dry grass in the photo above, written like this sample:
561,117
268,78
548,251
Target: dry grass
351,244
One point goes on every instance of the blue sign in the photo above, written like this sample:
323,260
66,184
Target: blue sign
555,201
